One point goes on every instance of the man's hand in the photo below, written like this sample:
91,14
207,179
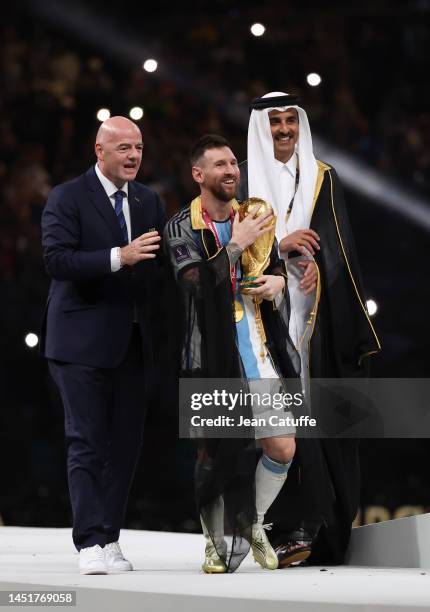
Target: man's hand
244,233
140,248
301,240
310,276
268,286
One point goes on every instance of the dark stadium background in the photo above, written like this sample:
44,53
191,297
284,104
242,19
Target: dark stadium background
62,61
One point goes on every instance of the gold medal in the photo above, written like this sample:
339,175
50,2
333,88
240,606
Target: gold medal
238,311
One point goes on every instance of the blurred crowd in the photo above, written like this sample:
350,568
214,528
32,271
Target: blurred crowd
371,103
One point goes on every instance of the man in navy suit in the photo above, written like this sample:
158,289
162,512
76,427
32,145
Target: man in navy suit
101,234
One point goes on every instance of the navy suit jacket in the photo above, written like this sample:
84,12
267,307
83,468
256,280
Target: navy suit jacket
90,310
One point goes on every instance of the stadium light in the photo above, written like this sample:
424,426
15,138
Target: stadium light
150,65
372,307
313,79
31,340
136,113
257,29
103,114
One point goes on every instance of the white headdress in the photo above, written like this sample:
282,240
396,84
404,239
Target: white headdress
263,178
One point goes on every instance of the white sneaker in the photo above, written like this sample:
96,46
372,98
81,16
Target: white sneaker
92,560
115,559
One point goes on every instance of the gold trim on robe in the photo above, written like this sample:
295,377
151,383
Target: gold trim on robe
322,168
196,212
353,281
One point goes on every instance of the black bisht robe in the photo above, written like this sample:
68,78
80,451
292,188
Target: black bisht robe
225,467
342,339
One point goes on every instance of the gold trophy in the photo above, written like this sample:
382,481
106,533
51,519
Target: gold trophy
255,260
256,257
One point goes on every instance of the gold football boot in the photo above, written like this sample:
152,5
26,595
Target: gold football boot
213,564
262,550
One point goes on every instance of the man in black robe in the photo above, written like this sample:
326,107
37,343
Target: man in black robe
329,322
230,333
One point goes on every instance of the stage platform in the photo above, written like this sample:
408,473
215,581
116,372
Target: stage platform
167,578
403,542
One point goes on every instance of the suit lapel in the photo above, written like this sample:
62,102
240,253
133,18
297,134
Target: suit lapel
137,212
103,205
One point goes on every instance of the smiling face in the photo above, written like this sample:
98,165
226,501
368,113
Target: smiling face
284,126
119,149
217,172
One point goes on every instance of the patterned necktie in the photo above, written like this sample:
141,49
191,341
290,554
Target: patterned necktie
119,196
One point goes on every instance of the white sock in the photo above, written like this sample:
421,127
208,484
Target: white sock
270,476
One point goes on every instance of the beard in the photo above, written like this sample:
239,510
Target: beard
221,194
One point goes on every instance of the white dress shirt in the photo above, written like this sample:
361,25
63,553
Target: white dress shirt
111,189
287,179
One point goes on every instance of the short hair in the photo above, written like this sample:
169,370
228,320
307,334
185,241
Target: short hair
206,142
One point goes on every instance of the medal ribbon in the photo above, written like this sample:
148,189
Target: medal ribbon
211,225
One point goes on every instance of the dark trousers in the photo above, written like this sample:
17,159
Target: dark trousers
104,416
